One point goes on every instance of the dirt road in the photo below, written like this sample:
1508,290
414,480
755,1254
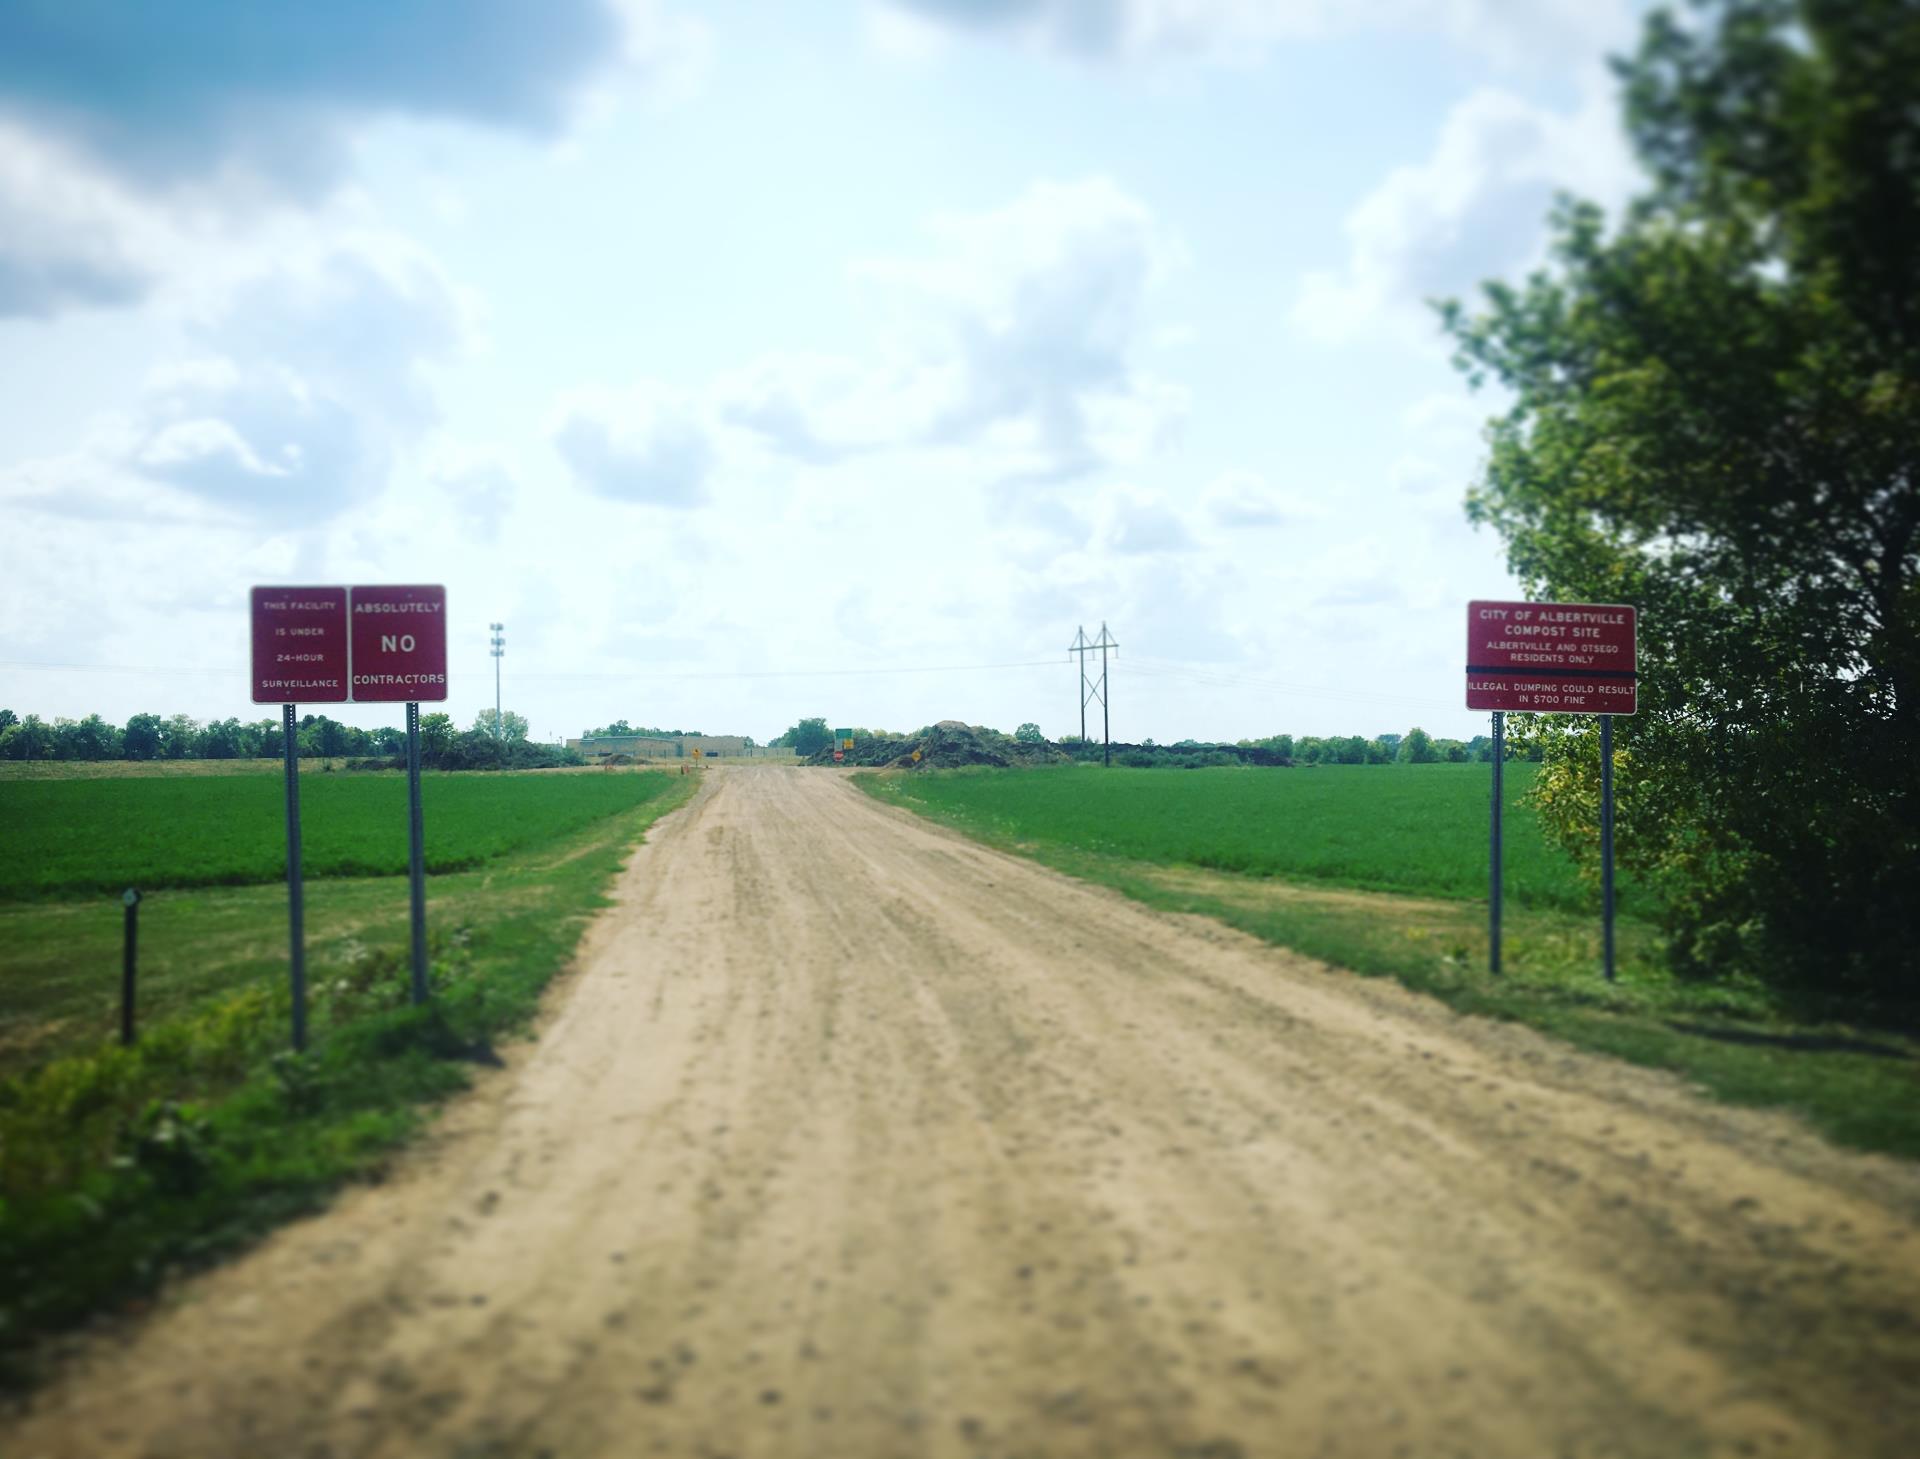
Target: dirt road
851,1138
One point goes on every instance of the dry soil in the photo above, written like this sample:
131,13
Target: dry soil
852,1138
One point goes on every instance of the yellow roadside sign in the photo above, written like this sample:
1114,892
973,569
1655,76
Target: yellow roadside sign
916,757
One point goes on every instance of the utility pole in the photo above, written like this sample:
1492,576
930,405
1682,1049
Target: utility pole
499,651
1079,646
1082,645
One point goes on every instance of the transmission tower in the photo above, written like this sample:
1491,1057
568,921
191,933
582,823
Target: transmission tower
498,651
1091,688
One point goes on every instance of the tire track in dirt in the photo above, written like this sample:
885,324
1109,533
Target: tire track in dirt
850,1137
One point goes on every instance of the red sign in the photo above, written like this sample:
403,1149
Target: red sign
300,646
1553,658
399,643
838,756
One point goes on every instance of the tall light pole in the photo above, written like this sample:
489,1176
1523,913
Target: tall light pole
499,651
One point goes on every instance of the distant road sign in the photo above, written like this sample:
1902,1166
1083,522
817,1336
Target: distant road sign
399,643
844,737
839,756
300,646
1553,658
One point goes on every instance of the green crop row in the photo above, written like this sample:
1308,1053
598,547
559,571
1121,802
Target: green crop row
74,837
1419,829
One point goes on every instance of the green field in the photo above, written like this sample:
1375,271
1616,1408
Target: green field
119,1163
1401,828
1383,870
70,837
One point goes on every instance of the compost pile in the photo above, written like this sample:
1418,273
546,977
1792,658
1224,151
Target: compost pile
943,746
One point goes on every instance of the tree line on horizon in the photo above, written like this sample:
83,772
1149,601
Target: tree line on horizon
181,737
1415,747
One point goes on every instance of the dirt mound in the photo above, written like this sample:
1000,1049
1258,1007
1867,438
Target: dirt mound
944,746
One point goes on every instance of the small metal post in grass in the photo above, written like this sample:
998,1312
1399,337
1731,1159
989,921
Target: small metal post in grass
130,900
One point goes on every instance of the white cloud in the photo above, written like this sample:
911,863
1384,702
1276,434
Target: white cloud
1474,209
106,188
67,238
310,385
477,485
1015,338
1509,32
271,99
816,409
643,446
1239,499
1020,331
1138,526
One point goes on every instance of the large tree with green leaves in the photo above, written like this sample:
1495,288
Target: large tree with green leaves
1715,414
807,737
504,726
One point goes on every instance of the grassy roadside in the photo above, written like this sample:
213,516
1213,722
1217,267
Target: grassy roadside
118,1166
1738,1042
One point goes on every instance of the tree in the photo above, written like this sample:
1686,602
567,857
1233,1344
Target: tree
220,739
140,740
180,738
1029,734
808,736
1715,414
324,737
91,738
8,719
1417,748
436,733
30,739
506,726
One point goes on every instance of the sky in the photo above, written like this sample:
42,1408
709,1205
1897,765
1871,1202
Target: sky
753,361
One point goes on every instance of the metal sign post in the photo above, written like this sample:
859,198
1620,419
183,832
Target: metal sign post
400,654
330,646
1606,843
296,912
1493,892
416,856
130,899
299,656
1554,658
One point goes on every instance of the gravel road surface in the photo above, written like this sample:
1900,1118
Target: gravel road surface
851,1138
